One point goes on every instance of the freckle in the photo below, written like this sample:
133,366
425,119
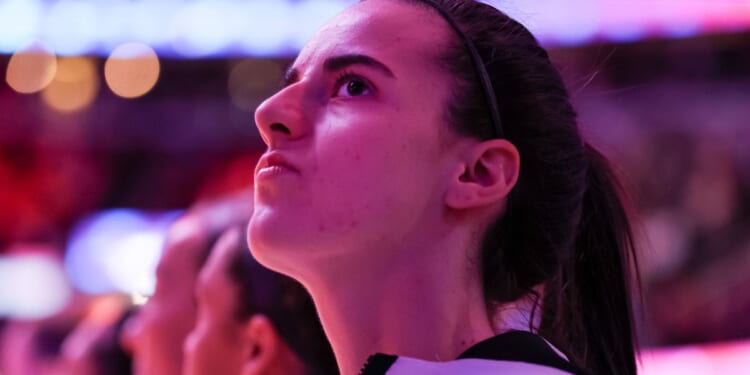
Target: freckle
321,228
357,157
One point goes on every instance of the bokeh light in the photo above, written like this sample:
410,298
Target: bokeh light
70,26
138,299
200,28
250,80
31,68
117,251
132,70
32,286
75,85
20,20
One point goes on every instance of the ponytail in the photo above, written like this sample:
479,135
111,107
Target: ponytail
565,227
587,310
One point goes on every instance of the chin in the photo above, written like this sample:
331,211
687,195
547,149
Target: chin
274,245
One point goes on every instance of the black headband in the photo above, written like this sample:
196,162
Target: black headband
484,77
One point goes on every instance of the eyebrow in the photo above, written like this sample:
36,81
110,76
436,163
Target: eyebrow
335,63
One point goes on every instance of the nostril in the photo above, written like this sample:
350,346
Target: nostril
280,128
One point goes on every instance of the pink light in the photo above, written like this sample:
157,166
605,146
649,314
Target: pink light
723,358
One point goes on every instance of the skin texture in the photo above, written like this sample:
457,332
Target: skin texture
220,342
344,147
156,332
380,207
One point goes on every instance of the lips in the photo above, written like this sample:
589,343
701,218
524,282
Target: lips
272,164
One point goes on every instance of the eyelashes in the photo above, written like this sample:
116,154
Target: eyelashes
349,84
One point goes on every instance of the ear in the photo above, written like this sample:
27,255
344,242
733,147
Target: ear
487,173
260,345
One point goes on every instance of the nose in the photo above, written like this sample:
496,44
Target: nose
282,117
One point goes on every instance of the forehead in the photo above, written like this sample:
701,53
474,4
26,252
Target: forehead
186,240
399,33
217,265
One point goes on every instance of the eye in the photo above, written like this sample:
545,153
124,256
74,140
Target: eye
350,85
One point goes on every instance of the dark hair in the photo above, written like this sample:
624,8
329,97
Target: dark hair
48,340
110,358
565,226
287,304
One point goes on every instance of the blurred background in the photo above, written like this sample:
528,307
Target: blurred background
116,115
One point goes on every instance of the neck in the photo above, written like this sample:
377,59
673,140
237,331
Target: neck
405,306
523,314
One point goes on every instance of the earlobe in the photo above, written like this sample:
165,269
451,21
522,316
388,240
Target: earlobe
486,175
259,345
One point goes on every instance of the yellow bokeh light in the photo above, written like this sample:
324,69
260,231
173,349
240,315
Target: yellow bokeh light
31,68
131,70
74,87
251,80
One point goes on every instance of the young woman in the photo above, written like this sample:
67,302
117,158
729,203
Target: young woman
154,335
426,180
251,320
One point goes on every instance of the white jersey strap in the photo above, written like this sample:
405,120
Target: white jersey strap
473,366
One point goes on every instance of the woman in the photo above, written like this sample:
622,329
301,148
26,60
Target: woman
155,334
251,320
426,181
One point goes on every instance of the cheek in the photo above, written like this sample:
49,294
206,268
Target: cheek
171,323
191,344
369,169
362,181
197,343
213,341
357,154
149,323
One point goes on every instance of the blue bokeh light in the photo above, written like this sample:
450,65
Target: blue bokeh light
117,251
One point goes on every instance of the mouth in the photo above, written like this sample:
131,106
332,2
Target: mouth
273,164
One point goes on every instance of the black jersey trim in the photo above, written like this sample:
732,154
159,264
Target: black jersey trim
514,346
520,346
378,364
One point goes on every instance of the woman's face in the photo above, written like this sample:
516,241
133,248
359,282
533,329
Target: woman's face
155,333
358,152
214,346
